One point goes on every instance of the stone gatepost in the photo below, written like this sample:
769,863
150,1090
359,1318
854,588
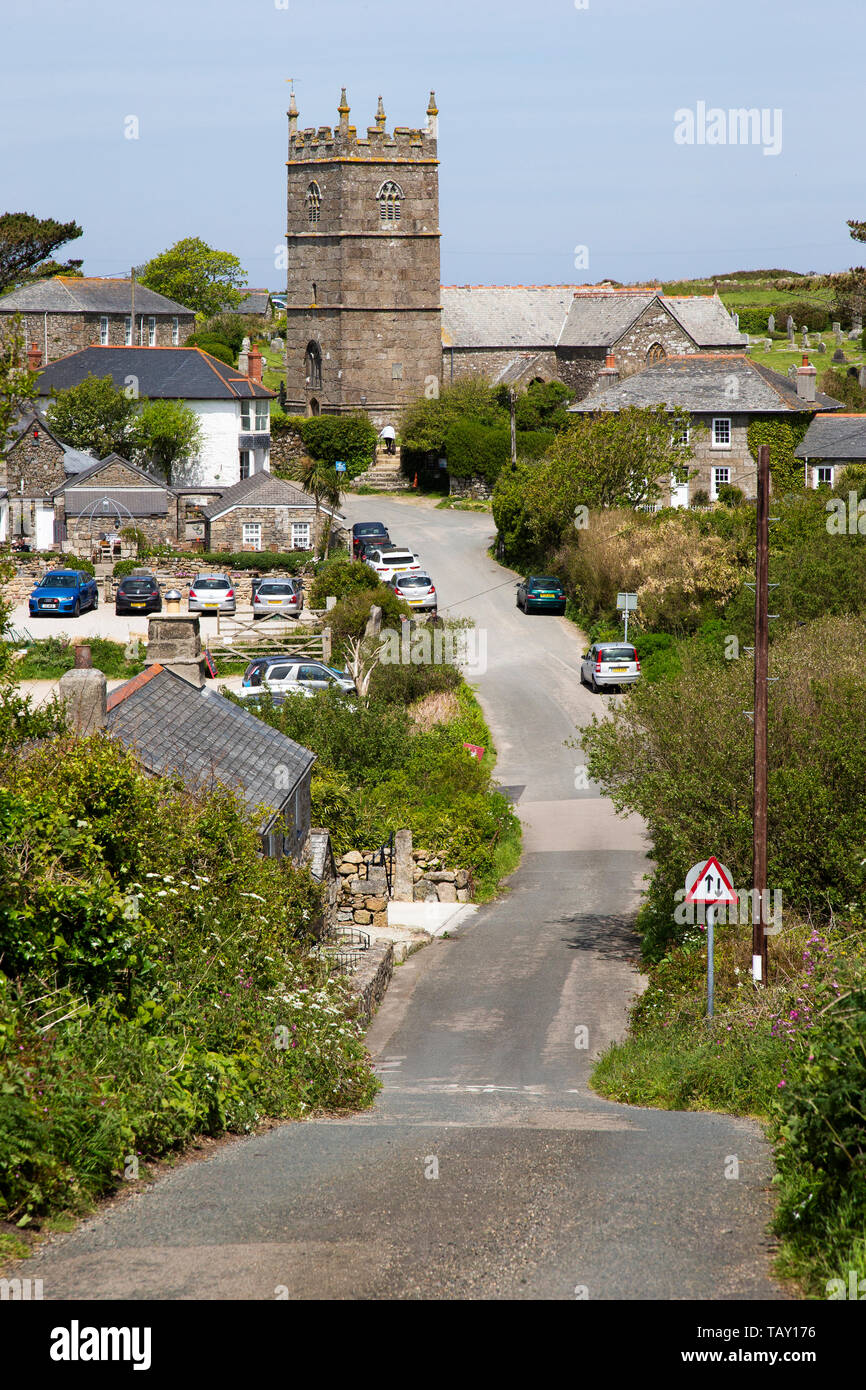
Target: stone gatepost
83,692
403,881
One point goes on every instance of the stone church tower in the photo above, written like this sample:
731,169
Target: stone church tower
363,293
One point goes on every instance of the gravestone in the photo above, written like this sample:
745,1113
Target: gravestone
278,344
789,326
862,378
792,372
244,358
771,323
820,346
736,319
857,323
768,344
854,335
805,337
839,356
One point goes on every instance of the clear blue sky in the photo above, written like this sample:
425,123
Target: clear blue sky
556,126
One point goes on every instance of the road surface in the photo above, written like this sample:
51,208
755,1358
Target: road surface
486,1169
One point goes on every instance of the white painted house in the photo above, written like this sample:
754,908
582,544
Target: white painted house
233,409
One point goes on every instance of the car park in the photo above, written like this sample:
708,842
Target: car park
609,664
418,590
372,533
64,591
138,593
541,593
393,561
211,593
278,594
288,675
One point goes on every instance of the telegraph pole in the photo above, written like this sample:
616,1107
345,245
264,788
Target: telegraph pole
762,627
513,425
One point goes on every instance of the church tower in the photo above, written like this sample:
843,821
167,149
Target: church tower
363,292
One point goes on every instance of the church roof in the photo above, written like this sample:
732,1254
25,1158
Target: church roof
705,318
504,315
598,320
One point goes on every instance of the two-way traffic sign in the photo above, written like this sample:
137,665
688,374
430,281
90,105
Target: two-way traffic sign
708,881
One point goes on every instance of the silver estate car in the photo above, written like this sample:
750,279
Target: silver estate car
609,664
211,593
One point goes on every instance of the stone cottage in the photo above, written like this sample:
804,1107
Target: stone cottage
830,443
33,467
68,312
267,513
722,393
107,497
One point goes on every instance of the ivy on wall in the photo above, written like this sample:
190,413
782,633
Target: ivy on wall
783,436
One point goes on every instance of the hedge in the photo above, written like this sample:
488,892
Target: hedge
351,439
480,451
292,560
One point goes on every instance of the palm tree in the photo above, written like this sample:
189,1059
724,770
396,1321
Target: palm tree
322,481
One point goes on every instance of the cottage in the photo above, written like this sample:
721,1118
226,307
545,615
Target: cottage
233,410
255,304
830,443
108,496
34,465
723,393
66,312
267,513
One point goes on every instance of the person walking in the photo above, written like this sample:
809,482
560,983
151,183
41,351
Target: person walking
389,434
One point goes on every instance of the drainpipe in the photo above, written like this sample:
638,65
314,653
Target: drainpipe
45,337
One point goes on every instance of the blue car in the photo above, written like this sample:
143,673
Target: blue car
64,591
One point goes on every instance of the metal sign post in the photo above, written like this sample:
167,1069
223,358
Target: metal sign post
711,883
626,603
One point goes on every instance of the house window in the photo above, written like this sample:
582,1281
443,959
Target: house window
823,475
390,197
175,332
313,366
396,371
314,202
246,416
103,330
246,456
655,353
252,535
300,535
151,332
261,416
681,437
721,477
722,432
127,330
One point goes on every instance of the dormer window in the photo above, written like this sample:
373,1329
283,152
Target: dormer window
314,202
390,196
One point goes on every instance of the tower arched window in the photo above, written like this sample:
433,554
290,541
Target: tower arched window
655,353
390,196
314,202
313,366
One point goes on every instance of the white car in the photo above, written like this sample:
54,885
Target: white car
388,563
609,664
291,676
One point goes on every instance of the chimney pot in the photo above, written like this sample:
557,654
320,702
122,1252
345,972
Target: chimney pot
34,358
254,364
806,375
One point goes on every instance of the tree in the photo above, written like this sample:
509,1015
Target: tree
25,244
17,382
322,482
94,415
426,423
164,433
193,274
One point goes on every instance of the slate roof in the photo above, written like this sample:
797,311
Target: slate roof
600,319
163,373
173,728
95,467
504,315
73,294
256,302
74,460
706,320
263,490
701,383
834,437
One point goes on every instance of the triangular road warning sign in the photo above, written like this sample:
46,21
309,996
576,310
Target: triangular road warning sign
712,885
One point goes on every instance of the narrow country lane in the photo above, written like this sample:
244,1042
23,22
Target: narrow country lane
487,1168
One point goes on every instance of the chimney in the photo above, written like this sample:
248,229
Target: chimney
609,374
173,641
34,358
254,364
806,375
83,692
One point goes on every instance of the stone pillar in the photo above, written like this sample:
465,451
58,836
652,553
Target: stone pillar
174,642
374,622
326,645
83,692
402,884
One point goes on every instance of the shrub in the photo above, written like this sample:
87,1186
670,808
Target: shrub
731,496
481,451
398,684
122,568
133,534
348,618
351,439
340,577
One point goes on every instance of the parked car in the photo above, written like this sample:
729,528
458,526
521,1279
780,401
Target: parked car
64,591
211,593
541,593
298,671
417,590
609,664
261,663
369,533
138,593
278,595
390,562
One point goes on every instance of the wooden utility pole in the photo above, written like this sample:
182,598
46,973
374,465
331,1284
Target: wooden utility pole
762,627
513,425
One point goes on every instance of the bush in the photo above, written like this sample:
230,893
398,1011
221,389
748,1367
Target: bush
731,496
292,561
133,534
348,618
216,346
340,577
402,685
481,451
121,568
351,439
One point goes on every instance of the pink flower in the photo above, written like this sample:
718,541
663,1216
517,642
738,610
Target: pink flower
780,1085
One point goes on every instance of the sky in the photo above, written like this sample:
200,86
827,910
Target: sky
579,140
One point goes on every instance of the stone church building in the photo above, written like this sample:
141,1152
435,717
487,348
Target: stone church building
369,327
